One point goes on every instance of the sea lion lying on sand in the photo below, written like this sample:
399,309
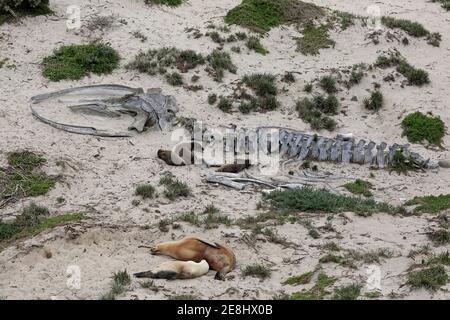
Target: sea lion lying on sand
176,270
219,257
181,155
234,167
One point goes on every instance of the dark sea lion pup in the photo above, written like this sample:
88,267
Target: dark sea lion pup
219,257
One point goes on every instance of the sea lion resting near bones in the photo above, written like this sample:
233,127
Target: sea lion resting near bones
181,154
176,270
219,257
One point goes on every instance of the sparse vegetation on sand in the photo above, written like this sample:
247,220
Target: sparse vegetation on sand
174,188
3,62
10,10
444,3
419,127
375,102
257,271
439,237
23,178
359,187
76,61
301,279
33,220
212,98
318,291
417,77
412,28
312,200
254,43
431,278
101,23
119,283
329,84
265,91
349,292
430,204
350,258
170,3
219,62
314,38
317,111
262,15
146,191
174,79
157,61
224,104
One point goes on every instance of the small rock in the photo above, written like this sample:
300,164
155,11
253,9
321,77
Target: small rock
354,98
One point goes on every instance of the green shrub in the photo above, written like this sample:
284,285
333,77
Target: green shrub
328,83
314,38
241,35
263,84
216,37
434,39
308,87
256,270
253,43
414,76
318,291
355,78
146,191
301,279
22,179
289,77
262,15
315,111
156,61
439,237
219,62
419,127
430,204
212,98
375,101
174,188
25,160
431,278
170,3
264,87
174,79
76,61
224,104
311,200
359,187
414,29
444,3
32,221
12,9
350,292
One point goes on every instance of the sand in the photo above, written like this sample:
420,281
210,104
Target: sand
99,175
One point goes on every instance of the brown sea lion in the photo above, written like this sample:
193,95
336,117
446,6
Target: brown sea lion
219,257
170,158
176,270
182,154
234,167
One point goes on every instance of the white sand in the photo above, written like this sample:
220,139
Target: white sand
103,186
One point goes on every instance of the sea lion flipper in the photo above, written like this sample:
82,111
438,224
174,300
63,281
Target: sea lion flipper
144,274
165,274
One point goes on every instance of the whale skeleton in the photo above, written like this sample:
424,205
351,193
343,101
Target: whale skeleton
109,103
